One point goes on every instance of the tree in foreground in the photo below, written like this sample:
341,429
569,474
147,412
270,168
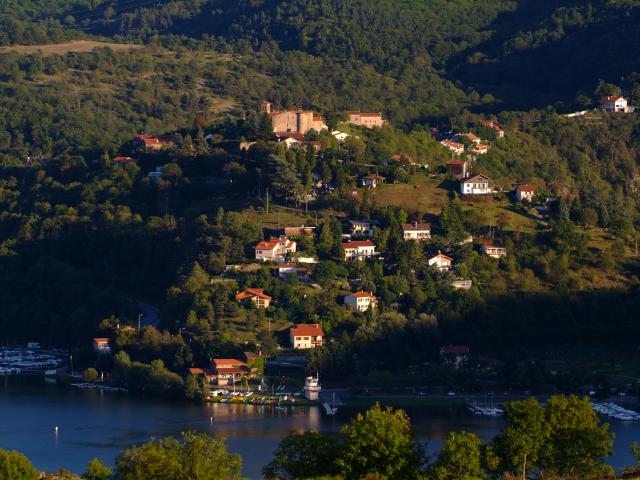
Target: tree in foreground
459,459
15,466
381,443
96,470
197,457
301,455
579,443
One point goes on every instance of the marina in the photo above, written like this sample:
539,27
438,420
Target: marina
615,411
17,361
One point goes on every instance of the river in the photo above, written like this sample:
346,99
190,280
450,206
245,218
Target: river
94,424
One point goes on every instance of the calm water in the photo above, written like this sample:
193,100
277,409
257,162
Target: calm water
98,425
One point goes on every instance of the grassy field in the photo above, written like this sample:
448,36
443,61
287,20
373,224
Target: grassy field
428,195
66,47
278,218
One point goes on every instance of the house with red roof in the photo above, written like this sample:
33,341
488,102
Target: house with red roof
455,355
525,192
495,126
229,371
372,181
306,335
441,262
457,148
458,168
275,250
359,250
255,296
361,301
615,103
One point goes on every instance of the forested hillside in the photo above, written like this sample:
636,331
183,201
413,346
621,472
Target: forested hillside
443,55
83,237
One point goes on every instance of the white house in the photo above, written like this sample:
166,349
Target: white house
441,262
416,231
372,181
457,148
492,250
363,227
480,149
359,250
615,103
275,249
361,301
306,335
525,192
477,184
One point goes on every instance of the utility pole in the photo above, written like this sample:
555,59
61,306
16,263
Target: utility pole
267,199
139,317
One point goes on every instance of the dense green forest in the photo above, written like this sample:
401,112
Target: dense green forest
83,239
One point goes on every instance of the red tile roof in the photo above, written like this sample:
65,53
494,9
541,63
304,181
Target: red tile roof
101,340
358,243
526,188
227,363
611,98
252,292
363,295
307,330
456,162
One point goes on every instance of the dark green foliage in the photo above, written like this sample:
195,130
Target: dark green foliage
15,466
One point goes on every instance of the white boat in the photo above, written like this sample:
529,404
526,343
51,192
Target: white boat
312,388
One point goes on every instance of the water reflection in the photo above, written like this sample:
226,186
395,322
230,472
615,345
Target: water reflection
92,424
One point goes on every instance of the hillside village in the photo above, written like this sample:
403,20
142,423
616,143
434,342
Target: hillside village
371,262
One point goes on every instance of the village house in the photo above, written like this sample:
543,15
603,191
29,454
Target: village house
365,119
290,139
372,181
315,144
275,250
359,250
416,231
480,149
152,143
255,296
472,137
229,371
441,262
293,121
363,228
492,250
286,270
458,168
455,355
615,103
495,126
306,335
457,148
101,345
476,184
361,301
525,192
